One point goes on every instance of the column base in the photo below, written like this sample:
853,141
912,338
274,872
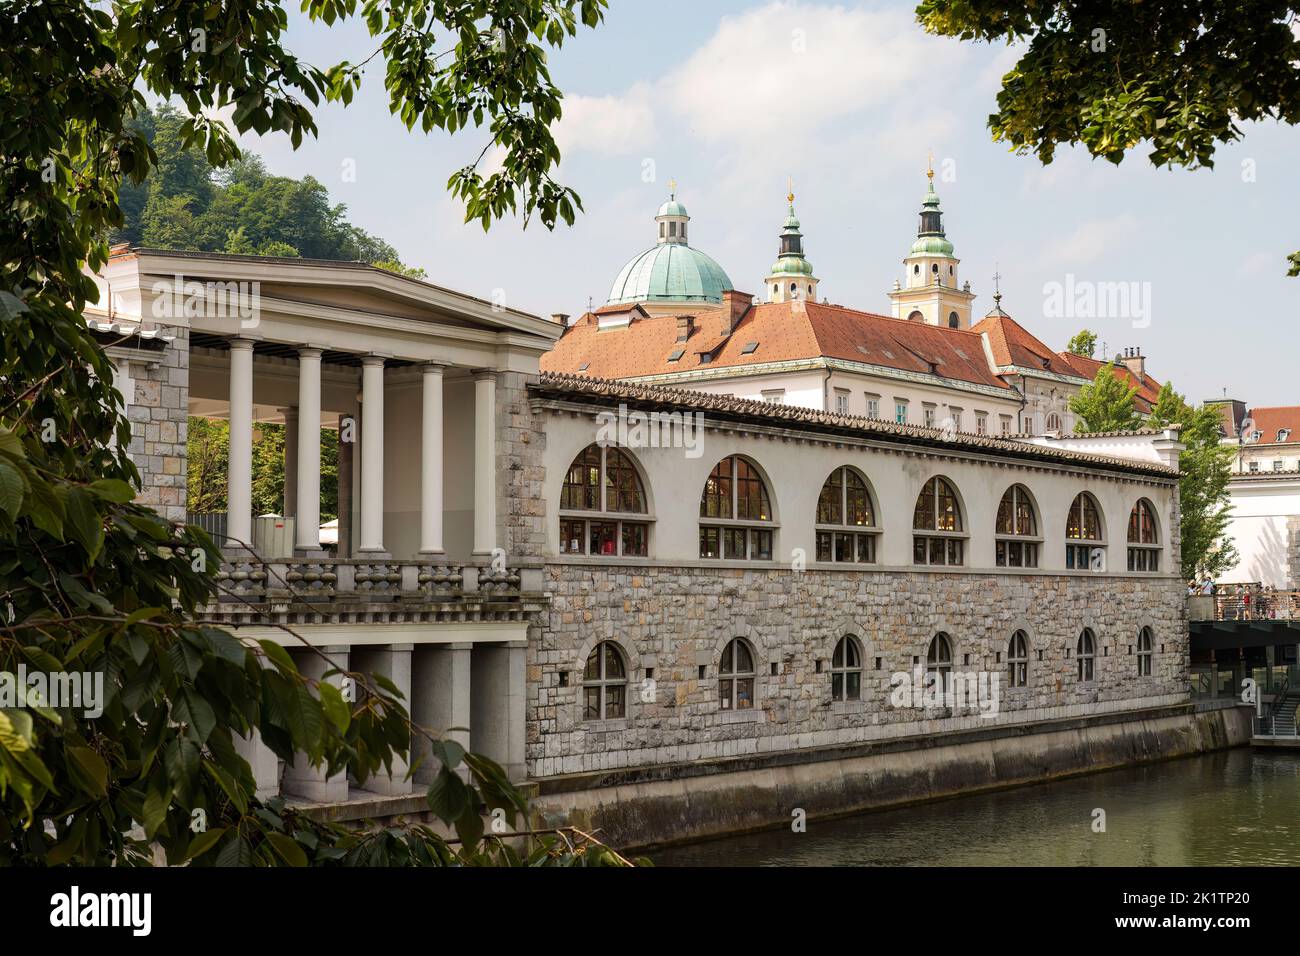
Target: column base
373,554
310,553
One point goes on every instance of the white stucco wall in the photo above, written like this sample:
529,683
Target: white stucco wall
1259,529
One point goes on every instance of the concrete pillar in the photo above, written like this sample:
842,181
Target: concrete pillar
497,705
440,700
347,481
392,661
239,468
301,779
307,530
485,464
431,463
263,761
290,461
372,454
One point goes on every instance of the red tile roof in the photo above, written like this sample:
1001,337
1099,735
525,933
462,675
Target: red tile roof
785,331
1148,388
1012,344
1269,421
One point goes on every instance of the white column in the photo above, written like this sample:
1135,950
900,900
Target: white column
290,461
307,529
431,463
301,779
392,661
485,464
239,469
440,700
497,680
372,454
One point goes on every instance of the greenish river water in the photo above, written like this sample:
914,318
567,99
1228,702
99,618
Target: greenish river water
1228,808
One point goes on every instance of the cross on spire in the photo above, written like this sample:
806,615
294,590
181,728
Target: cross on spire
789,185
672,189
997,290
929,169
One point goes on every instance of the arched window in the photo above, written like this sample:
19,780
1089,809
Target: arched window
916,317
735,498
1017,530
1083,535
1143,542
1053,422
1144,652
938,664
844,507
1085,654
938,526
1018,659
604,683
846,670
736,672
954,321
603,479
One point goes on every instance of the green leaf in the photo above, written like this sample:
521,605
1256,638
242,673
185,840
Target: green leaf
11,489
448,796
88,770
336,708
289,851
84,522
203,842
111,489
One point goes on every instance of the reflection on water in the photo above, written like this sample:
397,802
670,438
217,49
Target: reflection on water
1227,808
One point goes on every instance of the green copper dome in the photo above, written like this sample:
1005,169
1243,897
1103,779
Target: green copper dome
671,208
791,261
931,246
670,272
930,238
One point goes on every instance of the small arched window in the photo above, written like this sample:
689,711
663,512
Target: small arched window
916,270
843,506
1143,542
736,676
734,499
1017,530
1084,547
938,664
603,479
1144,652
954,320
1053,422
604,683
916,316
1085,654
1018,659
662,227
938,525
846,670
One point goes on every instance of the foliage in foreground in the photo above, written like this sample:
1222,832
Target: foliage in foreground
91,581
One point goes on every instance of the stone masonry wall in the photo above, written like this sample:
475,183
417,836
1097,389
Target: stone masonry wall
159,415
677,621
521,440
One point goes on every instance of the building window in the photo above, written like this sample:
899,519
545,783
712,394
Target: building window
1277,464
1016,523
954,322
604,684
981,423
938,664
954,414
873,406
1085,653
842,401
929,416
846,670
1144,652
774,396
1083,535
938,520
1254,466
1053,422
603,480
900,413
846,521
1018,659
734,498
1143,542
916,317
1006,424
736,683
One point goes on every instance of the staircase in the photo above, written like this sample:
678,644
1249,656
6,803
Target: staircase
1284,713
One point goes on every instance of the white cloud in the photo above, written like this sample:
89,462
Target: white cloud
1088,242
607,125
789,68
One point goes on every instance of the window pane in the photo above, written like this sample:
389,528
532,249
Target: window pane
918,550
923,517
837,686
859,501
854,685
761,545
603,537
936,550
866,548
592,671
843,547
724,693
634,539
745,693
571,537
744,660
837,659
709,543
613,663
735,542
614,697
591,698
829,510
823,545
622,483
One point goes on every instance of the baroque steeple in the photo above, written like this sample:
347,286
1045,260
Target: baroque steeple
931,293
791,276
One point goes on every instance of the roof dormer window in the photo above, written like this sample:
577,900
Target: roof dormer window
1283,434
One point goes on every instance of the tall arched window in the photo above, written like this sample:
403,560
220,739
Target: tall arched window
1085,654
1144,652
938,525
1143,542
736,676
846,519
1017,530
915,316
938,664
1053,422
1018,659
954,320
734,499
846,670
1083,535
603,480
604,683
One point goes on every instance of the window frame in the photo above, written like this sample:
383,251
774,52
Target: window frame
1086,662
843,672
588,520
1008,543
733,678
941,667
603,683
1018,663
946,540
1076,545
726,531
1143,555
859,538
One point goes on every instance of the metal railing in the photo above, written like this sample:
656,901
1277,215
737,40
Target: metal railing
1248,602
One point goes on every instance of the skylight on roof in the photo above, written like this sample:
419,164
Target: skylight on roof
677,354
584,366
749,349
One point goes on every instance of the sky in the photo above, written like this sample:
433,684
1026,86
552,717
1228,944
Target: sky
735,99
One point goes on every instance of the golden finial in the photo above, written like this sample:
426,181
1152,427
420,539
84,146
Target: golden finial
789,185
672,189
929,171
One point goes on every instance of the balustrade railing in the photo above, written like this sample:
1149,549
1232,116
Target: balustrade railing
1245,603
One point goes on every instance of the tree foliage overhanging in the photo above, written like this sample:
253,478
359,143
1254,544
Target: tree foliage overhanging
90,581
1181,76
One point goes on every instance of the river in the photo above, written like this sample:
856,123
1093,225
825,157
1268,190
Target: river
1227,808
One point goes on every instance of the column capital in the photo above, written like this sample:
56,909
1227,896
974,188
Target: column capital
485,374
309,351
371,361
431,368
242,344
